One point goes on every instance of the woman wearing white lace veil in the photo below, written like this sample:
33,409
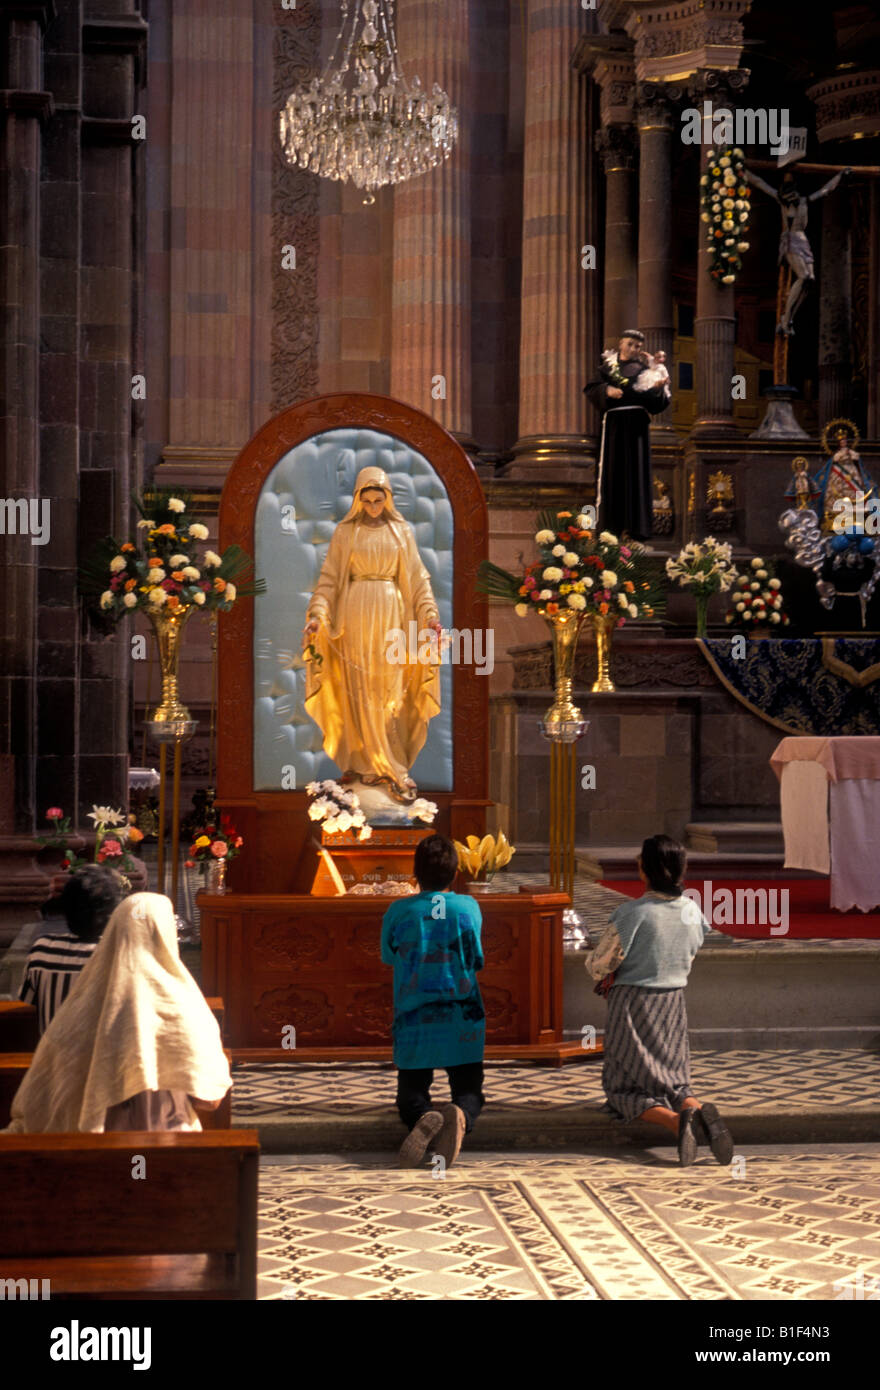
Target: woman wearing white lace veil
133,1044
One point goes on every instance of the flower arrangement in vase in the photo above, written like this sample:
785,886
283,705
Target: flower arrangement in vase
337,809
757,598
706,568
726,203
212,847
580,575
113,839
481,859
167,573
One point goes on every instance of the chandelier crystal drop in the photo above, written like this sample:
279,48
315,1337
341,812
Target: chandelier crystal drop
362,121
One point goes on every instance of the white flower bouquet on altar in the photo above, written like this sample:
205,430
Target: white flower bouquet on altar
337,809
707,568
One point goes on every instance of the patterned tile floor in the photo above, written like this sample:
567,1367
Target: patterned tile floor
817,1079
778,1224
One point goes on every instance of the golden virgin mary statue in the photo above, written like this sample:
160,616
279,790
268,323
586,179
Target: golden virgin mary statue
372,710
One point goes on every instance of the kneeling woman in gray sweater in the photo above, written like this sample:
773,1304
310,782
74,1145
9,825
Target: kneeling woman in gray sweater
648,948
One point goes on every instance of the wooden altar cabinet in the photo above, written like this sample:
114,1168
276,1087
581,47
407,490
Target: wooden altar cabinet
313,965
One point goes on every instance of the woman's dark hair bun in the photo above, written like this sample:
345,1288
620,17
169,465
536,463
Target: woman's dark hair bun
663,863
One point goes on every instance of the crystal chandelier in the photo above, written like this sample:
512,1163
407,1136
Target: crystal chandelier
362,120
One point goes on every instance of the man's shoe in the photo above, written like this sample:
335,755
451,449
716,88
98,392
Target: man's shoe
718,1135
413,1148
448,1141
687,1138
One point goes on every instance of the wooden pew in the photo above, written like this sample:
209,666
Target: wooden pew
13,1066
18,1024
84,1220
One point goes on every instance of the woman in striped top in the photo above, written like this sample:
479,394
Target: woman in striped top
87,902
647,950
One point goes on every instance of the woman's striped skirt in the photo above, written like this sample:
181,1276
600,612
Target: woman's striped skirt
647,1055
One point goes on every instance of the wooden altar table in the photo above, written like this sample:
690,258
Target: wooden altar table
313,964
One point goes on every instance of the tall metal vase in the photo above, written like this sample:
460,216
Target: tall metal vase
168,627
565,627
603,626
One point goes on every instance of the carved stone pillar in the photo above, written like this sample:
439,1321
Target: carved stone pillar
552,407
657,127
835,308
715,316
431,295
617,146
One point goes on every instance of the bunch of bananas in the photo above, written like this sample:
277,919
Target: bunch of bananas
484,857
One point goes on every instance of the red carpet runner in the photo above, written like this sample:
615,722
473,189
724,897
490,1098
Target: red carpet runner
809,915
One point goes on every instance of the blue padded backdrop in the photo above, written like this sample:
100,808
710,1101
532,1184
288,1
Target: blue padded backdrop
315,481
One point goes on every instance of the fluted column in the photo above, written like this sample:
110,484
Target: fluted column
552,410
431,295
657,125
716,315
617,146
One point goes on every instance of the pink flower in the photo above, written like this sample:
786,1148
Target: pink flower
109,850
54,813
218,849
625,551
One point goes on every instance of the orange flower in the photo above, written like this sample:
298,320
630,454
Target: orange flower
219,584
168,530
629,586
603,607
563,513
172,602
178,575
523,590
130,584
155,560
552,607
128,546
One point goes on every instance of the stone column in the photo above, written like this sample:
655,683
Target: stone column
835,310
715,315
617,146
552,407
26,106
431,295
655,114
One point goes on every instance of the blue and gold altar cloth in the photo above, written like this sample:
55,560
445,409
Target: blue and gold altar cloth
820,686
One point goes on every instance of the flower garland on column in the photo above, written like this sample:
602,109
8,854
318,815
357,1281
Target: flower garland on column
725,207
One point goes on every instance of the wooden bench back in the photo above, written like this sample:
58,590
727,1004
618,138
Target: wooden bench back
19,1031
79,1195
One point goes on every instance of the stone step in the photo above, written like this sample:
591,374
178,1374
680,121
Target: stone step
735,837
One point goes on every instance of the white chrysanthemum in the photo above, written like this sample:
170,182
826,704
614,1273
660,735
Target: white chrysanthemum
608,579
760,574
156,575
199,598
198,531
366,832
130,600
742,246
704,216
117,563
177,560
190,572
545,537
211,560
633,611
552,574
757,563
583,522
587,581
158,596
570,559
724,162
331,825
774,584
754,586
176,505
521,610
607,538
623,600
230,593
728,203
107,599
545,594
774,618
343,820
728,279
145,521
559,550
576,601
